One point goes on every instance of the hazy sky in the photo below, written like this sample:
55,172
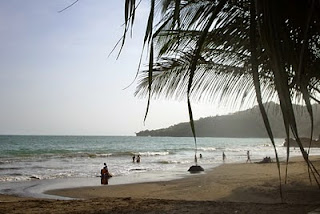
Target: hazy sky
56,76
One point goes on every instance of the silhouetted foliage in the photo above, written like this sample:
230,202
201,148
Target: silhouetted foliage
234,51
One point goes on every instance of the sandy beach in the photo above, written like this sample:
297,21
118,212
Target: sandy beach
229,188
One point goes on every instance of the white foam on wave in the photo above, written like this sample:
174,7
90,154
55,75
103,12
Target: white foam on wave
10,178
153,153
207,149
104,155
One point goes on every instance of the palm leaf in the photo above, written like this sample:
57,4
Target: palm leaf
235,52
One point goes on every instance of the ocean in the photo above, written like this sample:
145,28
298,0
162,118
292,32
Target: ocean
30,165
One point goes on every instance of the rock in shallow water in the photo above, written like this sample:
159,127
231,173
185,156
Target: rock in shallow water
195,168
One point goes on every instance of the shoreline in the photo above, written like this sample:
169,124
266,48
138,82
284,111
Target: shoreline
37,188
227,182
241,187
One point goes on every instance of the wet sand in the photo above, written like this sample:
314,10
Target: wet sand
229,188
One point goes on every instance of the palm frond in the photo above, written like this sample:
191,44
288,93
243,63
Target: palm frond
235,52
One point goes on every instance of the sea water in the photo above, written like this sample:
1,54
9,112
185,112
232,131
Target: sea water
27,161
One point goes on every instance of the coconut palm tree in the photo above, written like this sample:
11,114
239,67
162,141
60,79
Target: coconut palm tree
234,51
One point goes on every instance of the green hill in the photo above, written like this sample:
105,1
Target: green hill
242,124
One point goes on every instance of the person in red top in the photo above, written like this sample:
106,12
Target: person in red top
105,175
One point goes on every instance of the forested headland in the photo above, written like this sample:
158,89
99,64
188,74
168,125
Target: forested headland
242,124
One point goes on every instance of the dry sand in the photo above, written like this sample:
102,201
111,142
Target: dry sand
230,188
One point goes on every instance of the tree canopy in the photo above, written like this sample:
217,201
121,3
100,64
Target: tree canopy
233,51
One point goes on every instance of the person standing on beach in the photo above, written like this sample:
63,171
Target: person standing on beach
138,159
248,156
223,156
133,158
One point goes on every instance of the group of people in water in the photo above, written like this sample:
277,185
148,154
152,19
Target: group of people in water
224,157
105,175
136,160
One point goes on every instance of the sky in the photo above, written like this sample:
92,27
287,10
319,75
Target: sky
56,77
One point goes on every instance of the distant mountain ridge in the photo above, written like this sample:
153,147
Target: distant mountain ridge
242,124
